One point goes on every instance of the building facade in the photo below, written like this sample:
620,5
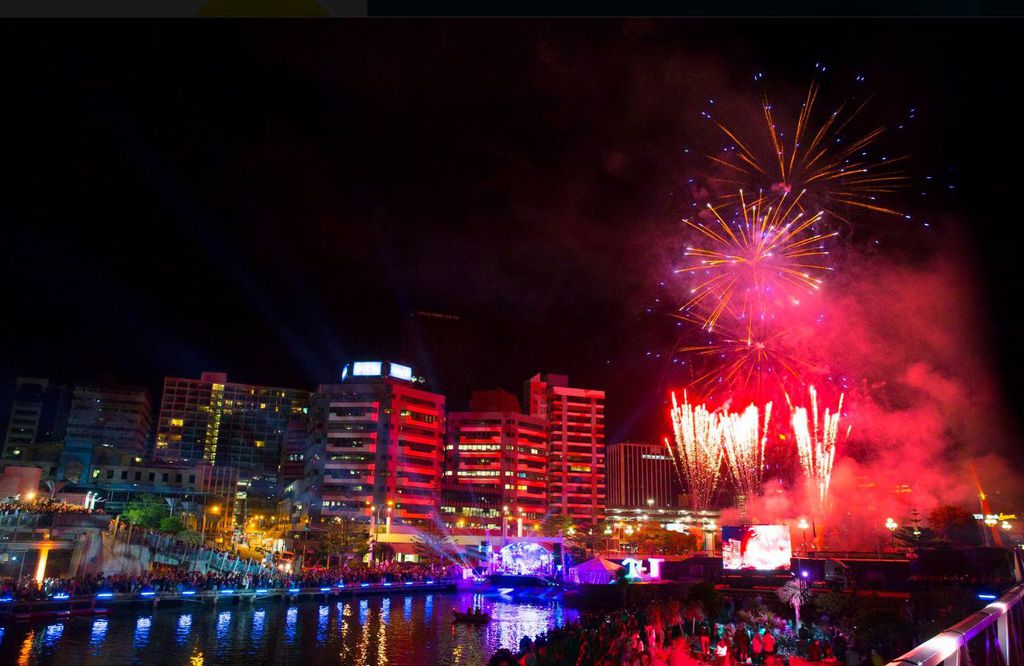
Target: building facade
496,461
118,419
39,414
203,485
576,449
640,475
375,447
229,424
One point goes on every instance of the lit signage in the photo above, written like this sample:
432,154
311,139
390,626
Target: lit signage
400,371
634,568
366,369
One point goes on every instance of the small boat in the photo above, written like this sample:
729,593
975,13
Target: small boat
472,618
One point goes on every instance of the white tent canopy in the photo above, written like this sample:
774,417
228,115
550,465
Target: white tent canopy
597,571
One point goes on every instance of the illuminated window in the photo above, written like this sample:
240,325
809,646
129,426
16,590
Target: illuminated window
177,423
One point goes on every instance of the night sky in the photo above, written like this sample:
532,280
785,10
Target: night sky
270,199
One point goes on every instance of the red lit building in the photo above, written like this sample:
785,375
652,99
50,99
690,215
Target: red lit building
576,452
495,464
375,439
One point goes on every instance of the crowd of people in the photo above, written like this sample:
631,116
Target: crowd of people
42,505
175,581
659,636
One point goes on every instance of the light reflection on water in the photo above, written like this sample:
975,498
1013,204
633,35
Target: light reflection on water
184,626
99,631
142,626
368,630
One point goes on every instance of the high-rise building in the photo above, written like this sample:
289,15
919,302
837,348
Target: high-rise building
496,461
375,447
640,475
118,419
576,451
293,451
228,424
444,350
39,414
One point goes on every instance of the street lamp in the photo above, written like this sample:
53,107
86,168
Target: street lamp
709,539
803,527
891,525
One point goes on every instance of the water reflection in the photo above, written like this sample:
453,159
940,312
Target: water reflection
223,623
290,619
382,637
324,615
99,631
53,634
184,627
406,629
259,618
142,626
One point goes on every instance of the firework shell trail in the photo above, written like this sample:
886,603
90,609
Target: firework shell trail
696,450
745,436
816,447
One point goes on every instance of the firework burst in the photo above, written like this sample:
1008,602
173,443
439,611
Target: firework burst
698,451
744,438
743,359
816,445
815,157
768,252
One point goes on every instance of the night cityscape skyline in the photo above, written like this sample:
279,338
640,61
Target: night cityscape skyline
549,278
533,341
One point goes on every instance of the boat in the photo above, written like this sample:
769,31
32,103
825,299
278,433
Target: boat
471,618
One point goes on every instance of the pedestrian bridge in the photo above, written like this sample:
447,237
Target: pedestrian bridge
993,636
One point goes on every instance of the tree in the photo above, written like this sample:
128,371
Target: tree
382,552
915,535
345,538
707,597
555,523
145,511
433,544
171,524
795,593
653,539
956,525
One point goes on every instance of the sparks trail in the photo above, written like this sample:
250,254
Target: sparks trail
769,252
817,160
816,446
744,437
698,451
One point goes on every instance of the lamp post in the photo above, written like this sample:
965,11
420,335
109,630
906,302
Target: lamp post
709,536
891,525
215,509
803,528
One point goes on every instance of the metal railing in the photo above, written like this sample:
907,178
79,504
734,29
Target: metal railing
993,636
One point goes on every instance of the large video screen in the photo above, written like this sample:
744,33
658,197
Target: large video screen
756,548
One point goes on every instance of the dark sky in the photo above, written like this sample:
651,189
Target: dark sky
269,199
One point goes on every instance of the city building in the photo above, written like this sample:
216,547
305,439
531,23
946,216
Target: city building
103,418
375,448
640,475
201,486
496,461
39,413
576,450
229,424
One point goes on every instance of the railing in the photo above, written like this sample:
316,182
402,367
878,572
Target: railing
993,636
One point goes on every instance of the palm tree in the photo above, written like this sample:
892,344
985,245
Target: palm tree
795,594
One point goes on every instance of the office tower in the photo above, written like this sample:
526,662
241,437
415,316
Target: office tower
640,475
576,451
